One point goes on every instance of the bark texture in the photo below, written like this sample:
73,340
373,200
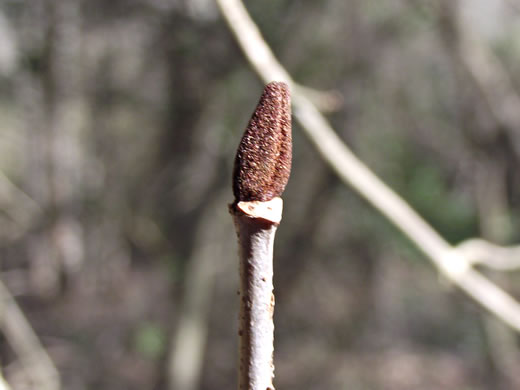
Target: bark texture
256,327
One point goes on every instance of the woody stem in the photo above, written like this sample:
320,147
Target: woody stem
256,327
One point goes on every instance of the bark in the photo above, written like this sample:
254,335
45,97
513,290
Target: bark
256,327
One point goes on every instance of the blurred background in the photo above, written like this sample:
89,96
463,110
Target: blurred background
119,121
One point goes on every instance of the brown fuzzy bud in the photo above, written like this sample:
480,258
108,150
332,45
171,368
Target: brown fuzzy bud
263,160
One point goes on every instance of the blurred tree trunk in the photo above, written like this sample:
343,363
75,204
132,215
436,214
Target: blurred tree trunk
51,91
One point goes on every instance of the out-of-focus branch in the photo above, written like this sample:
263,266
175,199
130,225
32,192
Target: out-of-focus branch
325,101
189,340
492,81
481,252
20,335
352,171
3,384
8,49
18,205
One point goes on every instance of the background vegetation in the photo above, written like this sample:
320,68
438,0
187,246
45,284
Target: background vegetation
119,124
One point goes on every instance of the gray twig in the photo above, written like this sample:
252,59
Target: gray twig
256,327
261,171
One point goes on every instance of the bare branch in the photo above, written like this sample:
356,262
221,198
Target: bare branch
22,208
325,101
261,172
481,252
3,384
352,171
256,331
186,355
26,344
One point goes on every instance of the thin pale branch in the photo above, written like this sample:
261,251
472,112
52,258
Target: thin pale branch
26,344
3,384
189,340
256,326
12,194
325,101
481,252
352,171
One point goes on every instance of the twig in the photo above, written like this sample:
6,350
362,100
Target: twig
11,194
478,251
25,343
3,384
262,168
325,101
256,328
353,172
